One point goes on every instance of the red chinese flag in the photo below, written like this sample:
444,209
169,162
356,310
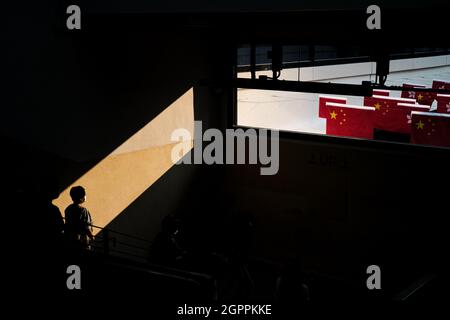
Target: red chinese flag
380,102
443,103
387,116
441,84
378,92
323,101
398,118
350,121
410,94
425,98
430,128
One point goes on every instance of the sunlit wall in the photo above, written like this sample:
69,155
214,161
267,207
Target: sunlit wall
120,178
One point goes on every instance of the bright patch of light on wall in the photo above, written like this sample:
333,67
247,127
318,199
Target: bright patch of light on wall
120,178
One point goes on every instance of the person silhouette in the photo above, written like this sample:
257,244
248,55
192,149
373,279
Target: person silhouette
52,222
167,248
42,240
44,219
78,227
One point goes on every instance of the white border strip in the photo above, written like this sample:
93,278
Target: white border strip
341,105
394,98
422,106
331,97
421,113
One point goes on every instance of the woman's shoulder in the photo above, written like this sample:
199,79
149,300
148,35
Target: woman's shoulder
84,209
85,212
75,208
69,208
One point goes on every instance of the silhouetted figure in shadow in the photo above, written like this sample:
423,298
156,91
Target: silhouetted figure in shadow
52,233
39,246
167,247
39,219
44,223
78,227
53,223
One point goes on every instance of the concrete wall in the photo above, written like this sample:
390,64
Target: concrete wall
340,208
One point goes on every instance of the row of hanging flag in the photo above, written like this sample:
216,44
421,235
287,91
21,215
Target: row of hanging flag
423,116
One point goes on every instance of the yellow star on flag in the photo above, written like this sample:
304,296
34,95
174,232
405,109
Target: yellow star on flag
333,115
420,125
419,97
377,106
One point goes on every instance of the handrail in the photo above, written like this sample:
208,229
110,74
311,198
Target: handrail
121,233
130,245
205,280
160,268
117,232
104,238
141,264
164,274
128,253
414,287
199,279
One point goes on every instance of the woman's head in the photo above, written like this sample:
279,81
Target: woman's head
78,194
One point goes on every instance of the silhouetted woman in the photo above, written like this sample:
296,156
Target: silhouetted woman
78,227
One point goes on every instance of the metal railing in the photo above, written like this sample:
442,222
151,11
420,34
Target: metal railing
415,287
131,252
111,242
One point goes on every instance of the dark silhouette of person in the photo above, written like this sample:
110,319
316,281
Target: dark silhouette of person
51,219
40,244
44,219
78,227
167,247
